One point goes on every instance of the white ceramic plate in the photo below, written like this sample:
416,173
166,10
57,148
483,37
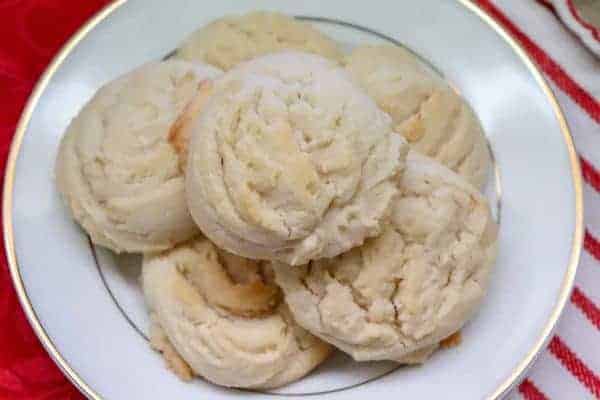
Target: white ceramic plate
89,313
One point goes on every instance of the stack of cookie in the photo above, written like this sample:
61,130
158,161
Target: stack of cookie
287,198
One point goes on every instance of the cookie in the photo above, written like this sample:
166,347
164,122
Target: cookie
434,119
181,130
290,161
221,317
230,40
400,294
116,170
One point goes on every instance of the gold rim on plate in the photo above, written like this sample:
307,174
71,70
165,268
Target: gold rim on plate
74,377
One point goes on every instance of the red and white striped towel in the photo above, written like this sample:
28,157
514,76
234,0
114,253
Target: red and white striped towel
570,367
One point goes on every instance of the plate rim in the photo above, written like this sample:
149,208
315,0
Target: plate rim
9,176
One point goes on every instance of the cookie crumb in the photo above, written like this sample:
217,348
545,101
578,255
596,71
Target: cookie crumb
451,341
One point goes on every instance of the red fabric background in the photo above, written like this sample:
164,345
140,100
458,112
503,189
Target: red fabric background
31,32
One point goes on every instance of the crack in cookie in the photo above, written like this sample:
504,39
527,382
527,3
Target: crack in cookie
401,293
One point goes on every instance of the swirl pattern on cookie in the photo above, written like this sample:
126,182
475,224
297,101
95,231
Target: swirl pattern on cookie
290,161
397,296
221,317
115,168
434,119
